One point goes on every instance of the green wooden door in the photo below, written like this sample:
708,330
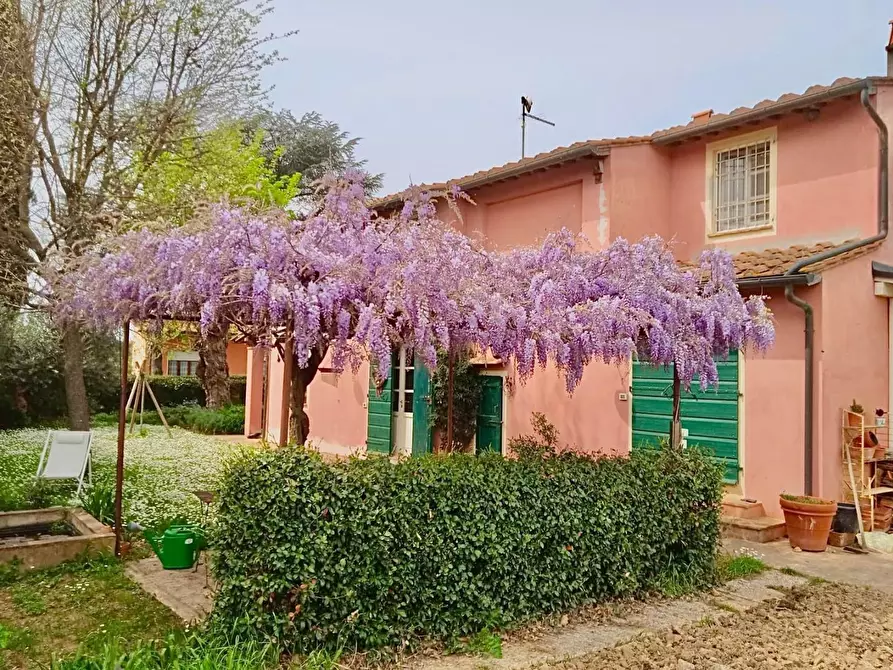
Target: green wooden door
421,404
489,417
711,416
379,416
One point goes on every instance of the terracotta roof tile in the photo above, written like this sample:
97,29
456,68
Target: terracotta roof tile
774,262
762,107
766,105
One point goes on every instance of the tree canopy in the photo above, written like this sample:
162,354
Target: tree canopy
357,285
221,164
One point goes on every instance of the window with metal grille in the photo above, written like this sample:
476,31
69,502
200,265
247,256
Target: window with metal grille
741,187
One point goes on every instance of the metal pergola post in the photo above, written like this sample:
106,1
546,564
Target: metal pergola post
122,425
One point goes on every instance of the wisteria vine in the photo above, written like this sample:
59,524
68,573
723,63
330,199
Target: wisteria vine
348,282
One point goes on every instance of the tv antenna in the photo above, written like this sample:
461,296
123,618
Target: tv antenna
526,106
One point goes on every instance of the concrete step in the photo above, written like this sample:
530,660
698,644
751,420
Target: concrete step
762,529
743,508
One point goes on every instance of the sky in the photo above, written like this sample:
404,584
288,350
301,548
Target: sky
433,88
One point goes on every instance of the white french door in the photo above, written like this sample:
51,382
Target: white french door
401,402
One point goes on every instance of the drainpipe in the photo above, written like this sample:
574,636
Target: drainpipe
809,325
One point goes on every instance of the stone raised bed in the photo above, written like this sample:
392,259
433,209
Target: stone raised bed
34,547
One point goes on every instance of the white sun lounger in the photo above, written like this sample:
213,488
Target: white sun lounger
66,455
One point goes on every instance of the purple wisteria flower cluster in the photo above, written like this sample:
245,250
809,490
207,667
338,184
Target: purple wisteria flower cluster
348,282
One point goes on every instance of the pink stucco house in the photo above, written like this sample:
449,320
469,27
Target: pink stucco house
796,188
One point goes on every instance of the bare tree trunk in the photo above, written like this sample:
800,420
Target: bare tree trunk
213,370
299,421
75,390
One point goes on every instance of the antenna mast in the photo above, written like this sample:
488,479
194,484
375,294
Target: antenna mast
526,106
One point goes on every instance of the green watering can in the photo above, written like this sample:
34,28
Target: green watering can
177,547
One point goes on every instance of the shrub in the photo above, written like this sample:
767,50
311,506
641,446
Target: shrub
368,552
223,421
98,500
32,389
542,444
228,420
171,390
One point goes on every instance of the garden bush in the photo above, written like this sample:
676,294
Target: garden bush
32,387
228,420
368,553
171,390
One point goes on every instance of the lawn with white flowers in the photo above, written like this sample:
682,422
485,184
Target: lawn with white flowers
160,473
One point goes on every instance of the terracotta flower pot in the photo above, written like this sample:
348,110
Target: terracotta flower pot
808,521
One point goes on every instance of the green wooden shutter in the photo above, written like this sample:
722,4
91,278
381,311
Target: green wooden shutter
379,417
710,416
489,418
421,407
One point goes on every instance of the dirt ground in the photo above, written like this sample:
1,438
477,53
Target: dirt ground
820,626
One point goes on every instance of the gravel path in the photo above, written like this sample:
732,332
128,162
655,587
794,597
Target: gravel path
821,626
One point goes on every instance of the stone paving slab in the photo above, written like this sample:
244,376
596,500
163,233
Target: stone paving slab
578,640
186,592
833,564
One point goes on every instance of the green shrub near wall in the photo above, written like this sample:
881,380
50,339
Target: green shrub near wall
171,390
371,553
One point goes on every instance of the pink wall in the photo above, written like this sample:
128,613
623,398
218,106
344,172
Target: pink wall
638,182
523,220
772,448
336,405
522,212
855,359
826,183
237,358
254,391
274,396
592,419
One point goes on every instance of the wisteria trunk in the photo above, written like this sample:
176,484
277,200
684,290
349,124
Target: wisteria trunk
299,420
213,370
75,389
676,423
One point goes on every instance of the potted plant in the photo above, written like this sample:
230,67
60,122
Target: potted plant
808,520
880,417
855,408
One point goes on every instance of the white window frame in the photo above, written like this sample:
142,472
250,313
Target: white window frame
738,142
190,358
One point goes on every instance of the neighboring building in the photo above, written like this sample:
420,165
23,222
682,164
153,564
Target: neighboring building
178,357
773,184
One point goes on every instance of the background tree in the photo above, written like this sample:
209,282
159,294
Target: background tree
224,164
113,80
310,146
16,155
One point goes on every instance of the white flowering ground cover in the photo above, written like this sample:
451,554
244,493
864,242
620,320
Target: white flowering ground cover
160,474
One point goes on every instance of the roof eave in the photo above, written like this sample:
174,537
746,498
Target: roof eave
533,165
776,281
797,103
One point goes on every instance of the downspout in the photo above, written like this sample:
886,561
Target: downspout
809,325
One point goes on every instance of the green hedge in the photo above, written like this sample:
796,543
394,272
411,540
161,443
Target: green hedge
368,552
223,421
171,390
